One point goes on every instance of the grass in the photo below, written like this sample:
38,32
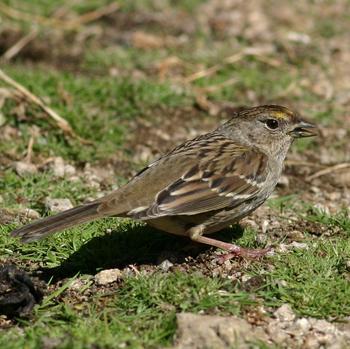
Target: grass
141,307
35,188
98,109
103,94
313,281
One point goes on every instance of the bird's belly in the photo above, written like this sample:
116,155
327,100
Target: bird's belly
224,218
169,224
210,222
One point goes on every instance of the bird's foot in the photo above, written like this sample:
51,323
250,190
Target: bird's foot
232,250
248,253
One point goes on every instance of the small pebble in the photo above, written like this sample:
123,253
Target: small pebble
69,170
60,169
24,169
165,265
299,245
108,276
58,205
323,326
30,213
334,196
284,313
299,37
57,167
264,226
303,324
296,235
315,190
76,285
245,277
283,182
261,238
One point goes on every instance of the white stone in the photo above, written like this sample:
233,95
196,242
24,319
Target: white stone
24,168
283,182
196,331
323,326
69,170
284,313
165,265
108,276
299,245
264,226
303,324
57,167
277,332
30,213
76,285
58,205
299,37
61,169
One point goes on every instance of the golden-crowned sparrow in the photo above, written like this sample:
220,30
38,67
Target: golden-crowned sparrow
201,186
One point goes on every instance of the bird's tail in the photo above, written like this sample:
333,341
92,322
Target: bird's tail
66,219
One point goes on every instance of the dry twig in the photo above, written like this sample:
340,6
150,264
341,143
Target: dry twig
93,15
210,71
19,45
219,86
56,22
30,17
30,149
329,170
25,40
292,162
61,123
257,52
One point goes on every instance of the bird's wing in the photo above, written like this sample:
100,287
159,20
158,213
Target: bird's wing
229,175
219,174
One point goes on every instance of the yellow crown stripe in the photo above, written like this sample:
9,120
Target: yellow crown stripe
281,115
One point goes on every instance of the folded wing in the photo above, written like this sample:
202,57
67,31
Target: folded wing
224,173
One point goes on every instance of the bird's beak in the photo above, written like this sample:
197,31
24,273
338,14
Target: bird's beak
303,129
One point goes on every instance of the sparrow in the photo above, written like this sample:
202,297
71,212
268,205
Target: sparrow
201,186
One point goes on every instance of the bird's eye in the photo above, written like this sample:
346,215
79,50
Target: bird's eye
272,124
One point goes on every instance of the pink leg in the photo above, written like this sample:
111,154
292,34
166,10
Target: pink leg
233,250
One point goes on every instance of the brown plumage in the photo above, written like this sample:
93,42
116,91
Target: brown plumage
202,185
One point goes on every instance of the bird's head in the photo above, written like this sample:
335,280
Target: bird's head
270,128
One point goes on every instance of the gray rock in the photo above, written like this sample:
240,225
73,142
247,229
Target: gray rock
58,205
24,168
107,276
283,182
57,167
207,331
76,285
29,213
165,265
284,313
61,169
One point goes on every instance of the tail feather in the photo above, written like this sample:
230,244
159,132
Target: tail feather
63,220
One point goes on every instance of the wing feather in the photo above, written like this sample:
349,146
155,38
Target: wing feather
225,173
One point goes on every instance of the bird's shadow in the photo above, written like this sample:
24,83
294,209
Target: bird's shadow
137,245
